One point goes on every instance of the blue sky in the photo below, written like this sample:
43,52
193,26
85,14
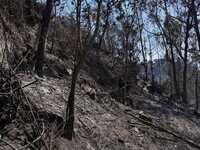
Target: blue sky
157,49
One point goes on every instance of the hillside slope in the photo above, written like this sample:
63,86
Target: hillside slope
101,122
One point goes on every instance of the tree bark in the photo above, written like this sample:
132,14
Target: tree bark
185,60
54,31
196,24
106,24
69,125
176,88
151,63
197,88
29,14
126,69
42,39
144,56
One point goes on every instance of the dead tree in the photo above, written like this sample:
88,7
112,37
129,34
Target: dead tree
197,87
175,81
107,15
143,48
42,39
185,60
196,24
69,125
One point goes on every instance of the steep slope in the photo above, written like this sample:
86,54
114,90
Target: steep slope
151,122
103,123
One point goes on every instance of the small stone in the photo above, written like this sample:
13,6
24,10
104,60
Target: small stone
69,71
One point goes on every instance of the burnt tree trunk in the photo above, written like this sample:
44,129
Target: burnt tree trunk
143,49
29,14
42,39
176,87
126,69
197,88
196,24
185,60
151,63
69,125
144,57
54,31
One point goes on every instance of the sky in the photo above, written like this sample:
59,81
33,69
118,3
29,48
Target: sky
158,51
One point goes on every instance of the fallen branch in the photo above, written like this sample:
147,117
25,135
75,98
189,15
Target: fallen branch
37,139
151,124
19,87
83,123
7,144
138,125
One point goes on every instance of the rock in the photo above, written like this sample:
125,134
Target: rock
136,129
69,71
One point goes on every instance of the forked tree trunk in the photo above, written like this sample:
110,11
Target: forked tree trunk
42,40
69,125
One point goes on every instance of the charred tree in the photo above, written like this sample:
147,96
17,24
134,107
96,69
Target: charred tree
69,125
196,24
143,49
197,88
42,39
107,15
126,69
29,8
185,60
151,63
176,88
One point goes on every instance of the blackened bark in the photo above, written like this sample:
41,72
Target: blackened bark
106,23
176,87
151,64
54,31
144,57
143,50
196,24
42,40
197,88
29,12
126,69
69,125
185,60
